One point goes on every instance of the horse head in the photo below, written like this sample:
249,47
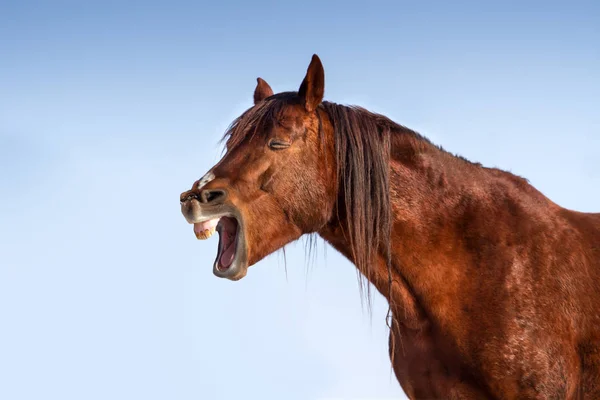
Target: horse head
274,182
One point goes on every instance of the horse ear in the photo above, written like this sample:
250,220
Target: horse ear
262,91
312,88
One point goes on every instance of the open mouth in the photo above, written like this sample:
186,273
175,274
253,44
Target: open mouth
228,260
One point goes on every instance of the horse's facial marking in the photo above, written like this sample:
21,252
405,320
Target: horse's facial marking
208,177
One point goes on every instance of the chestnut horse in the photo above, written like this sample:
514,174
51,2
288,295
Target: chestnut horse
494,289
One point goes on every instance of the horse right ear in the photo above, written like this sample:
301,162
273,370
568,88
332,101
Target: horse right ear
312,88
262,91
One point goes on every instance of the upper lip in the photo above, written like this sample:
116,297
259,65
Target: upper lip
208,213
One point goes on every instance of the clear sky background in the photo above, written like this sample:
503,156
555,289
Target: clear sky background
110,109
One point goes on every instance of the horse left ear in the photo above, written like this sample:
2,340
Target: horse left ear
312,88
262,91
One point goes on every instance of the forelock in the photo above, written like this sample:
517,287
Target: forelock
255,120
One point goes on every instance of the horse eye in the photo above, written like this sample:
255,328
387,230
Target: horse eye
278,144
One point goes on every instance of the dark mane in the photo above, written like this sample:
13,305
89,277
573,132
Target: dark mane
362,152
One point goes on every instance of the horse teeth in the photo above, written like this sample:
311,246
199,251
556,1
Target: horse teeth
205,234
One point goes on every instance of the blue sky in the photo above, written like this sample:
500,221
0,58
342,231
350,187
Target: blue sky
108,110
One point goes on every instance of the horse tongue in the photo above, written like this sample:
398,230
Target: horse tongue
228,255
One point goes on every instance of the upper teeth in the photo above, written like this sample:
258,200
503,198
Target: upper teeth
205,234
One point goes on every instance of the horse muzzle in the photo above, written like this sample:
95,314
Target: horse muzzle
213,216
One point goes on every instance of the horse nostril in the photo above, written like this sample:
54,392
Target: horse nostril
184,198
212,196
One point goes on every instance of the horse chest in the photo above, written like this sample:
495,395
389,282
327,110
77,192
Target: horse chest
423,366
421,370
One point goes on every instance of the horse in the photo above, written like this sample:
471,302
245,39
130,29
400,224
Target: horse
493,289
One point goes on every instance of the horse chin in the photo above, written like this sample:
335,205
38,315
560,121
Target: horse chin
234,274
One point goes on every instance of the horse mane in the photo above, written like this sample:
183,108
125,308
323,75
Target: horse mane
362,142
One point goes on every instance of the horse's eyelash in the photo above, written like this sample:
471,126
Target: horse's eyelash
278,144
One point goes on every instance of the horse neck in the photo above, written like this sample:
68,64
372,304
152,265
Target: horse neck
430,192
